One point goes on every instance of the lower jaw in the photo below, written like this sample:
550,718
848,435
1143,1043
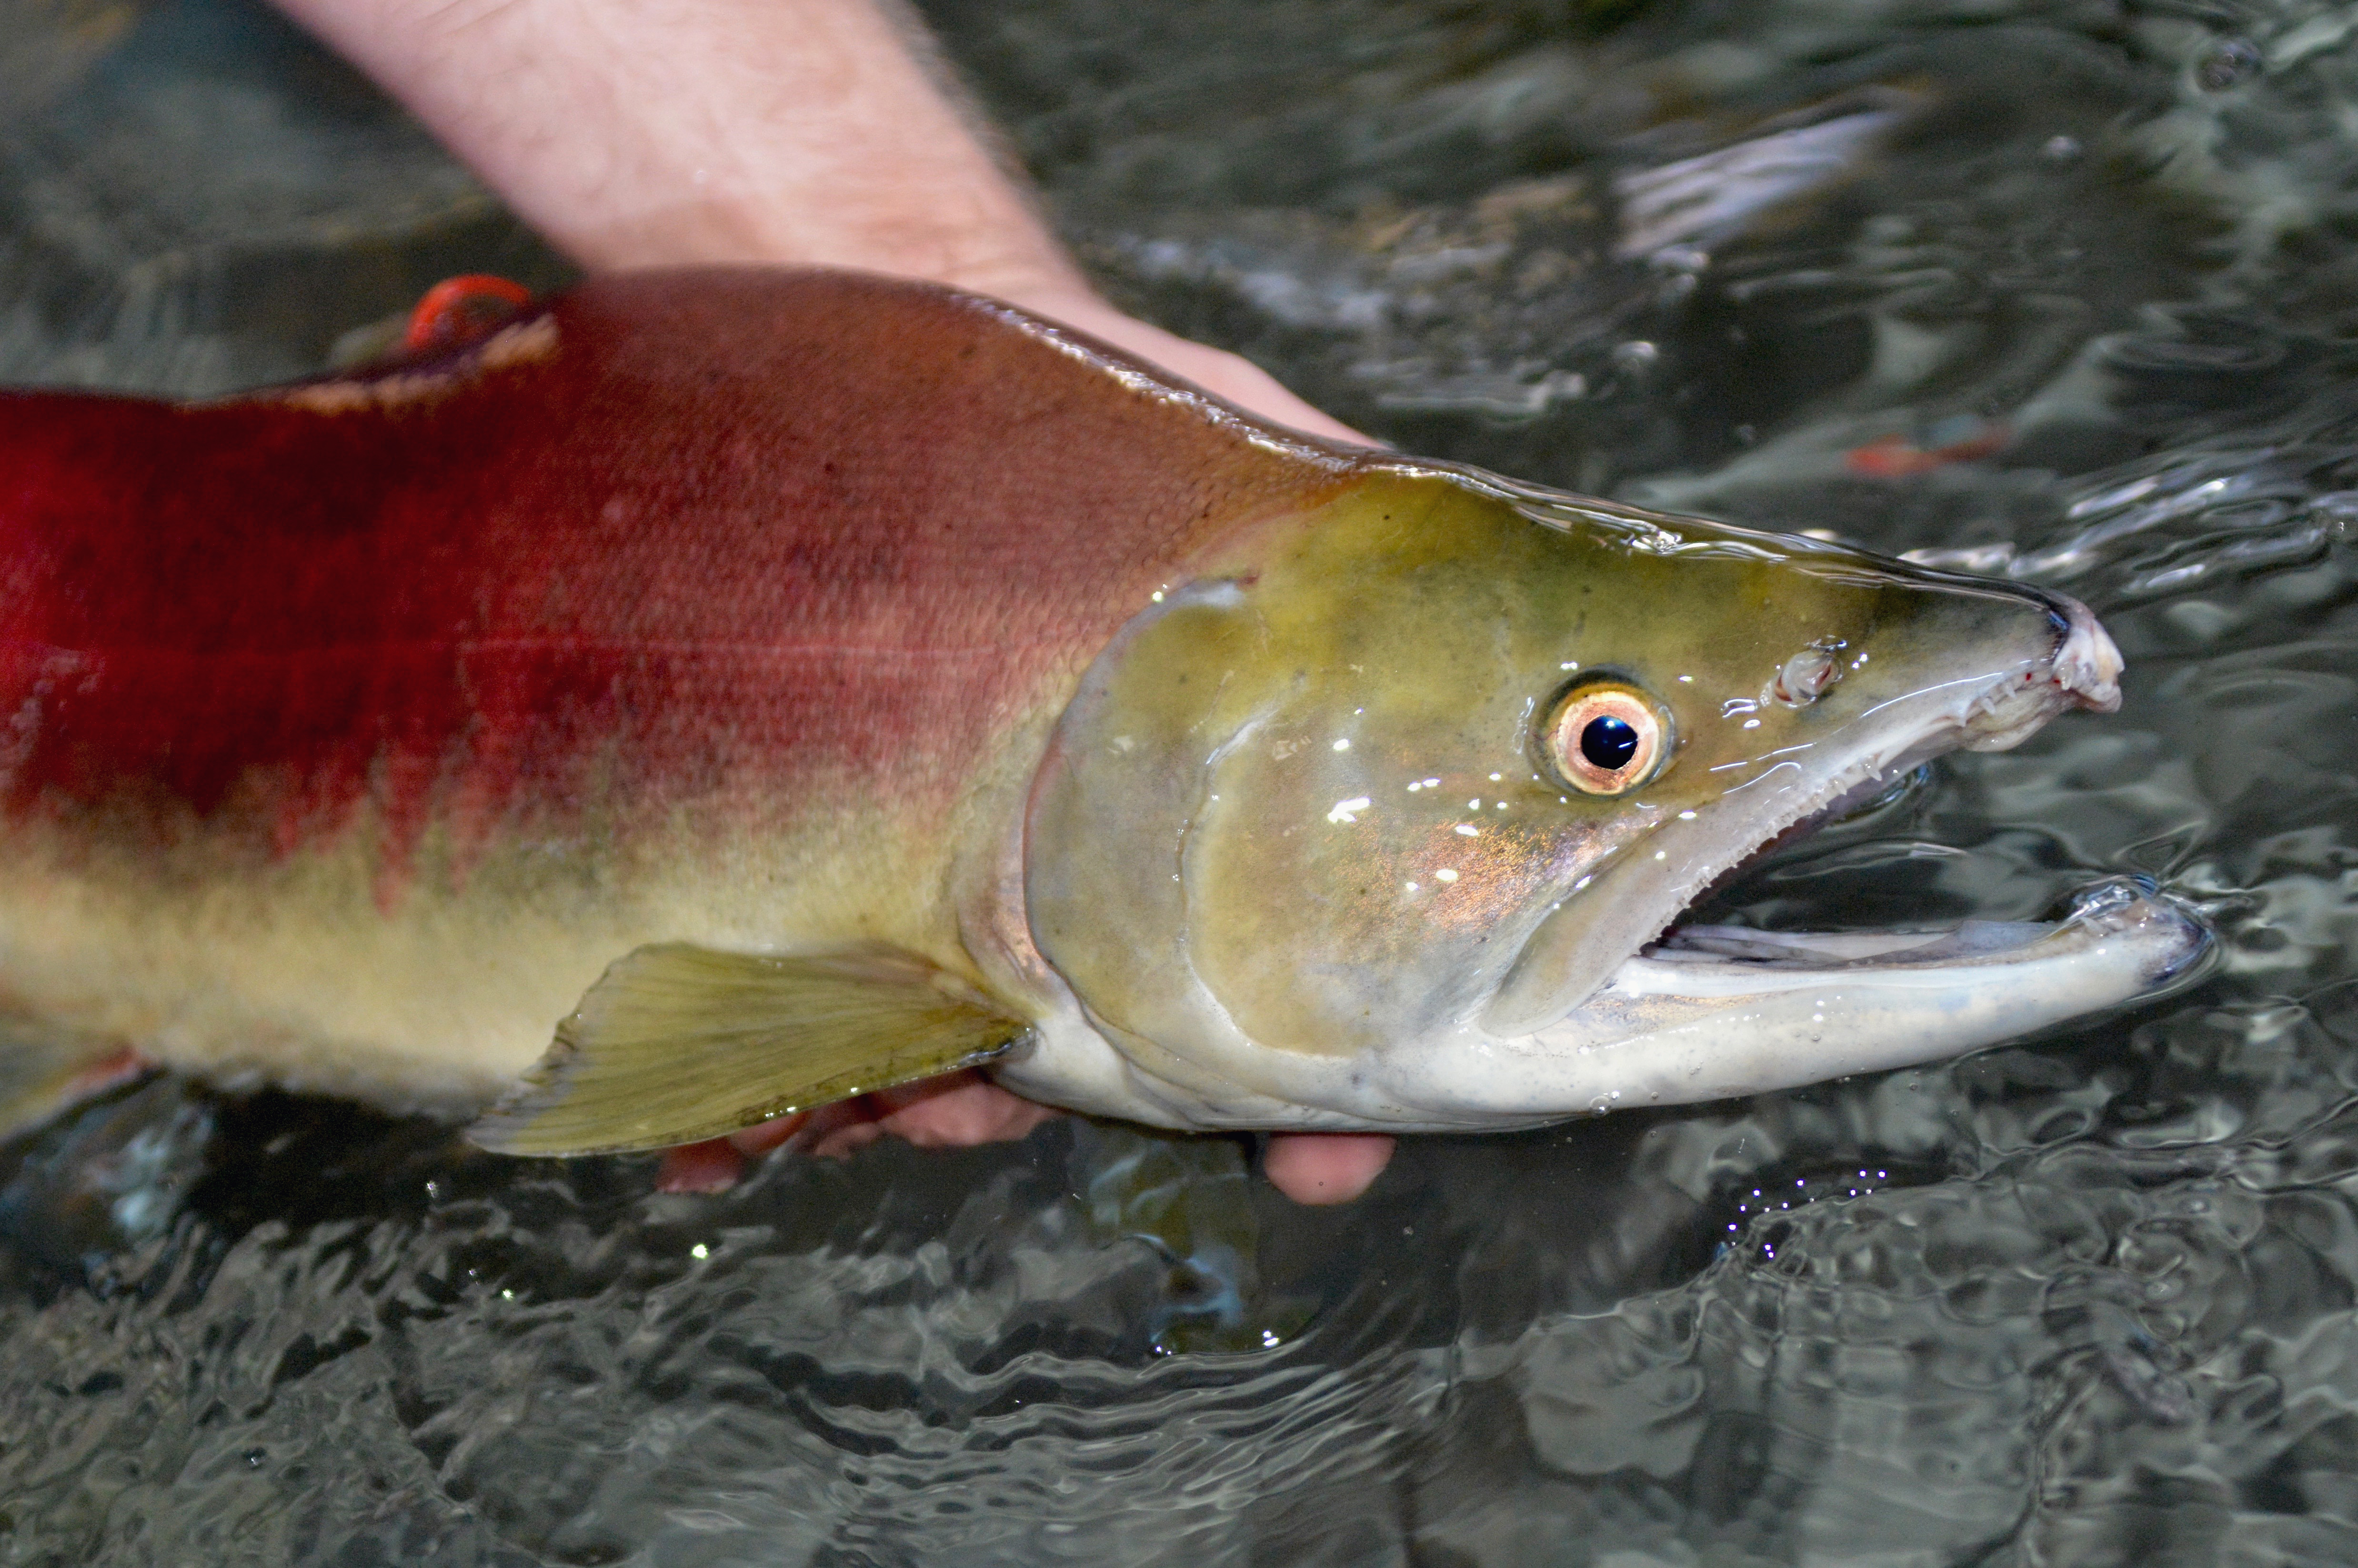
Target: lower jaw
1692,1024
1853,1001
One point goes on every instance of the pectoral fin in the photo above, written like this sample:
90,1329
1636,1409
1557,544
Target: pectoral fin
675,1044
46,1070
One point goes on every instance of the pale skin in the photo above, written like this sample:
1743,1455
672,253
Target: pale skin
639,132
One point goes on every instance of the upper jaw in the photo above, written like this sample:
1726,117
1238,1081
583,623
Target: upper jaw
2085,672
2088,664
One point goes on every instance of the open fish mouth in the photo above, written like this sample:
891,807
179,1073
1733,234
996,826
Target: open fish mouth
1699,1012
1713,1012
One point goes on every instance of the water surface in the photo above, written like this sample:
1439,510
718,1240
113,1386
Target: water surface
2067,291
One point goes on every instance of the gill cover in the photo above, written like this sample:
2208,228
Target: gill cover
1308,805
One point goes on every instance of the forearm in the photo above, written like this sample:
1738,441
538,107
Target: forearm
640,132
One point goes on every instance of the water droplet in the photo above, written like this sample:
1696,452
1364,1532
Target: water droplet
1345,812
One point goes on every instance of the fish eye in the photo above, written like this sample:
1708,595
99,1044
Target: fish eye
1607,738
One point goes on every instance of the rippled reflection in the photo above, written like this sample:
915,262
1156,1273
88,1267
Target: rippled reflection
2059,292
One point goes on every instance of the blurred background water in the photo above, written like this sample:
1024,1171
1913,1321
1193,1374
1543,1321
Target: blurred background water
2063,289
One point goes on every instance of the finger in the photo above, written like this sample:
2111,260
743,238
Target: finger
959,1111
954,1110
1325,1167
764,1136
1251,388
843,1138
1223,375
711,1166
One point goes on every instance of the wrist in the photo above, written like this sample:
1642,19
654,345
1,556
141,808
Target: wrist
646,132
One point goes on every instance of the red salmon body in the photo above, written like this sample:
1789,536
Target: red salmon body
675,541
716,694
691,606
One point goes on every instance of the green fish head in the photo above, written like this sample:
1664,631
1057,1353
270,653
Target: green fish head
1388,822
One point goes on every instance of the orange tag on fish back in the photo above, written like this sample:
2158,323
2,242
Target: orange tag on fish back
457,310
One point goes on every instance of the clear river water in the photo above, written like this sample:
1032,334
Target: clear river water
2065,290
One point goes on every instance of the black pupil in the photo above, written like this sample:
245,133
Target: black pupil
1608,742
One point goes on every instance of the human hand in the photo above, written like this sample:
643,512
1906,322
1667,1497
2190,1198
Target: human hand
961,1110
1229,376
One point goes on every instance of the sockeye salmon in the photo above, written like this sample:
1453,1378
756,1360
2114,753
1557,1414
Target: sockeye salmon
782,685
